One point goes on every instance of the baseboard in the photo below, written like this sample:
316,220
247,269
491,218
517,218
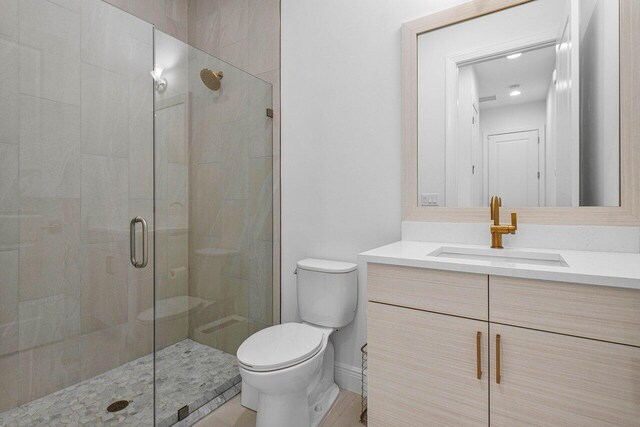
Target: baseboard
348,377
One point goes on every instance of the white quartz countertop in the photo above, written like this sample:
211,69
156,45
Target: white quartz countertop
593,268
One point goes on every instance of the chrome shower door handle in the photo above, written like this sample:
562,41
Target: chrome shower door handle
132,242
145,243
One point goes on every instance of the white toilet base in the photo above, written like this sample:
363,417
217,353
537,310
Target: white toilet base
323,406
290,406
283,410
249,396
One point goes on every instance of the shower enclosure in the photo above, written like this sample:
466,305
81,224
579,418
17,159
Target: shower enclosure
135,219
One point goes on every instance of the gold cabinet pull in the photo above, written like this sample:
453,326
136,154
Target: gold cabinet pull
478,355
498,359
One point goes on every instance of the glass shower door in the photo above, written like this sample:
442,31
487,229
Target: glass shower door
214,196
76,165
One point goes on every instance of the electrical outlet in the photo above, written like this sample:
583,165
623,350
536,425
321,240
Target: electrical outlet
429,199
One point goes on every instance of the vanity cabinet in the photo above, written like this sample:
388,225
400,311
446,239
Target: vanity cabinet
547,379
427,367
548,353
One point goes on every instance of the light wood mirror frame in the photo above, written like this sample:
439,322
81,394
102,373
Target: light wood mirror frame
627,214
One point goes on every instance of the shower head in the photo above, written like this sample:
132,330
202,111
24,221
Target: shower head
211,79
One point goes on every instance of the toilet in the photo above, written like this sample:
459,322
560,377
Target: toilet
287,369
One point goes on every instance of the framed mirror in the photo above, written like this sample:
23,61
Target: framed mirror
533,101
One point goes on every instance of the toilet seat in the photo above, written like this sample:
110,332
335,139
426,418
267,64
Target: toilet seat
280,346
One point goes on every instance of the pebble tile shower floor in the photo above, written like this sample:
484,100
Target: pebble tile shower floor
188,373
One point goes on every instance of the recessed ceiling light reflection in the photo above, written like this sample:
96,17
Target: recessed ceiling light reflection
514,55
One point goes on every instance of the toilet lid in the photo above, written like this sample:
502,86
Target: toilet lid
280,346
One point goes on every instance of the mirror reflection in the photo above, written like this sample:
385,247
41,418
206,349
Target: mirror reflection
523,103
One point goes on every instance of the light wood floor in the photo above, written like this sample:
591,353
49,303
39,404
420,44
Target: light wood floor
344,413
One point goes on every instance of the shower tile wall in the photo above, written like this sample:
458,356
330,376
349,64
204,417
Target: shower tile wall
75,127
172,192
246,34
169,16
230,231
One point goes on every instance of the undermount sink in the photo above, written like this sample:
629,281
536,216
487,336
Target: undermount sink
504,256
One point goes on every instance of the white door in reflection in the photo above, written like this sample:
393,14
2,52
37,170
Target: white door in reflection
513,168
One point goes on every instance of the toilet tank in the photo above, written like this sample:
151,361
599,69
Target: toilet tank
327,292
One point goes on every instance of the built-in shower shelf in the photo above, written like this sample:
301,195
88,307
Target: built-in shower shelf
171,308
216,252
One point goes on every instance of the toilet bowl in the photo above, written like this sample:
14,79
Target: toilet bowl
284,373
288,370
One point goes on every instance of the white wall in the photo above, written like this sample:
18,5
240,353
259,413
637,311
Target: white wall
599,112
341,138
551,147
467,100
567,107
531,115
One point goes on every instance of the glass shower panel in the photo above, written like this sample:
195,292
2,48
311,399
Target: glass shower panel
173,301
76,164
214,198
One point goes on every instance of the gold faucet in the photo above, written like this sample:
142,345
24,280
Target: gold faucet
497,230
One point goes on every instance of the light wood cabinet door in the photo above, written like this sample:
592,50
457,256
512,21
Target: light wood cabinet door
549,379
423,368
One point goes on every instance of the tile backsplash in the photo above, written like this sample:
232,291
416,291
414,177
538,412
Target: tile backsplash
581,238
